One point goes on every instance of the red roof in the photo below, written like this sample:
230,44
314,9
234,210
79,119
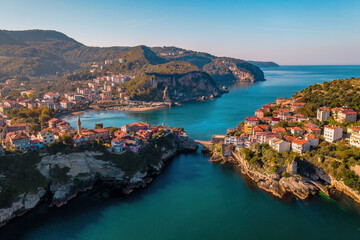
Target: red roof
300,141
251,119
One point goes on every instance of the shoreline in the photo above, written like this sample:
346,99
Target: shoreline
86,172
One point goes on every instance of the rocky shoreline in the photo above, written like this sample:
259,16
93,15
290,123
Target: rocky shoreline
84,171
301,183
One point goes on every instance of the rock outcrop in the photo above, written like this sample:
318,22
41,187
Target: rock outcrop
69,174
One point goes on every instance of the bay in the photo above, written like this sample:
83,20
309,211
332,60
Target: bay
192,198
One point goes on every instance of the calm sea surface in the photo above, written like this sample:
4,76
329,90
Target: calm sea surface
192,198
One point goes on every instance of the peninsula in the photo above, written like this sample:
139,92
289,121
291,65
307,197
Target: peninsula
55,164
302,145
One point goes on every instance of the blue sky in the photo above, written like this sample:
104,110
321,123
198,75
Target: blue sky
284,31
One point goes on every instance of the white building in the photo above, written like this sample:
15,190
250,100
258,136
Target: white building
332,133
323,114
300,146
355,139
46,137
279,145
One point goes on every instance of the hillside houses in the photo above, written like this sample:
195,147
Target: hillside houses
282,126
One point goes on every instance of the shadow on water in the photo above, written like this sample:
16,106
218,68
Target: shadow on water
87,208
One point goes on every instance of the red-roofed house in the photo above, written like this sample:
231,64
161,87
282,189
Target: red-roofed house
300,145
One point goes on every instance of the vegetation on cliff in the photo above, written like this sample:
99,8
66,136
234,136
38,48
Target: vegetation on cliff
337,93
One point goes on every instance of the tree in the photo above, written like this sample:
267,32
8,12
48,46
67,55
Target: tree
67,140
113,130
35,127
99,125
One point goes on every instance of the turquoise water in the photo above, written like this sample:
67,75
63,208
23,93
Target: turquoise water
192,198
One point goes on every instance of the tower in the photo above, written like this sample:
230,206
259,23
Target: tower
79,125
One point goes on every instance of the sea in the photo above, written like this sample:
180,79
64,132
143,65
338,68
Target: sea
193,198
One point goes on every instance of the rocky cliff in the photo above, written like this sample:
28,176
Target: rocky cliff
174,81
69,174
302,179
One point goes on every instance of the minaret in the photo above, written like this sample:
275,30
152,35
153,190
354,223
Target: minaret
79,125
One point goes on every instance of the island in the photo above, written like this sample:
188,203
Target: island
301,145
56,163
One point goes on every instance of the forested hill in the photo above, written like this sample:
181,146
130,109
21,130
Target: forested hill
45,52
336,93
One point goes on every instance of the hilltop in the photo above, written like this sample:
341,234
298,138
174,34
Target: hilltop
336,93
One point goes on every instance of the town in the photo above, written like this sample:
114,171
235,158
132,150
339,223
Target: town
18,138
284,129
100,92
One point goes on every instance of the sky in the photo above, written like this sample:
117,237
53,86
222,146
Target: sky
289,32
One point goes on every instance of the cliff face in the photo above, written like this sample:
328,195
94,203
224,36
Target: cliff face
303,179
228,70
69,174
187,87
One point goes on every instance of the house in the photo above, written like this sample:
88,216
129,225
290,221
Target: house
260,129
297,131
134,127
314,130
259,113
20,141
252,121
297,105
299,117
117,145
279,145
346,115
46,137
355,138
80,140
66,104
310,125
53,122
313,139
51,95
300,145
278,130
323,114
275,121
132,145
35,144
144,134
280,100
218,139
332,133
18,127
234,140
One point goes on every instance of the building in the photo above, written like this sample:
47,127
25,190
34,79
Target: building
323,114
297,131
234,140
279,145
346,115
278,130
355,138
252,121
313,139
300,145
117,145
46,137
259,113
218,139
332,133
20,141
